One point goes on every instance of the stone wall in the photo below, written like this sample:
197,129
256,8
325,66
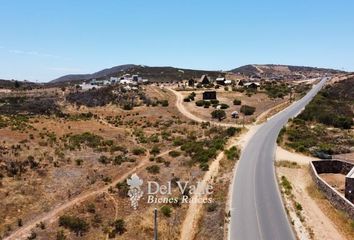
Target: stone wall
349,188
332,166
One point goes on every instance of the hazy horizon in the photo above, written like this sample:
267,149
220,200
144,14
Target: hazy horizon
46,40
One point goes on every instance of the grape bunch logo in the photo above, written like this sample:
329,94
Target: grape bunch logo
135,193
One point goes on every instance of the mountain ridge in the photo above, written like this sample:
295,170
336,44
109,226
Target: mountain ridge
168,73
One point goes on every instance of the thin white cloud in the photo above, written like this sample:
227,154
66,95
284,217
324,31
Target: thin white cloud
32,53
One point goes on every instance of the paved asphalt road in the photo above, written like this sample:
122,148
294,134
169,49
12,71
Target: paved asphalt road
257,211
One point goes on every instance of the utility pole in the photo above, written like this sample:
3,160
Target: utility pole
155,224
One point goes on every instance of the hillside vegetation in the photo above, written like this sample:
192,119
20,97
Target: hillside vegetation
332,106
153,74
326,123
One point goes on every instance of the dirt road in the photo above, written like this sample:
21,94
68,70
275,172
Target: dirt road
185,112
53,214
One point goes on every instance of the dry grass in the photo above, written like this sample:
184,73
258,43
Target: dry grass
339,218
287,164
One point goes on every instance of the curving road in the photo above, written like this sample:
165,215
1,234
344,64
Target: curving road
257,211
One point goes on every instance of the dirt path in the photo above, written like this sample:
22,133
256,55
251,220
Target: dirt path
317,220
185,112
53,214
194,210
285,155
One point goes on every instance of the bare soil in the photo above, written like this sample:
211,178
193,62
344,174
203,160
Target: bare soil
337,181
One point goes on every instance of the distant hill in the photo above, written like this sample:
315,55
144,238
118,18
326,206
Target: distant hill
154,74
271,69
11,84
100,74
167,74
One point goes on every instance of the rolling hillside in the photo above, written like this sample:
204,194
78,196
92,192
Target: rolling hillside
270,69
154,74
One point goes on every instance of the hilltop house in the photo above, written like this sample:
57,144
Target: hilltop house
222,81
204,80
253,85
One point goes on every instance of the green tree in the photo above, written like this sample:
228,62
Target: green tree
247,110
219,114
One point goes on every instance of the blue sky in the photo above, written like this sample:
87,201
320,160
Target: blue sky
41,40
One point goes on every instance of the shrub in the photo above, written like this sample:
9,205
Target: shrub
96,220
89,139
166,211
214,101
174,153
247,110
233,153
219,114
118,160
286,185
75,224
298,206
211,207
19,222
207,104
79,161
204,166
155,150
224,106
192,96
231,131
237,102
281,134
119,226
186,99
123,188
104,160
153,169
164,103
128,106
200,103
41,225
138,151
91,208
178,141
